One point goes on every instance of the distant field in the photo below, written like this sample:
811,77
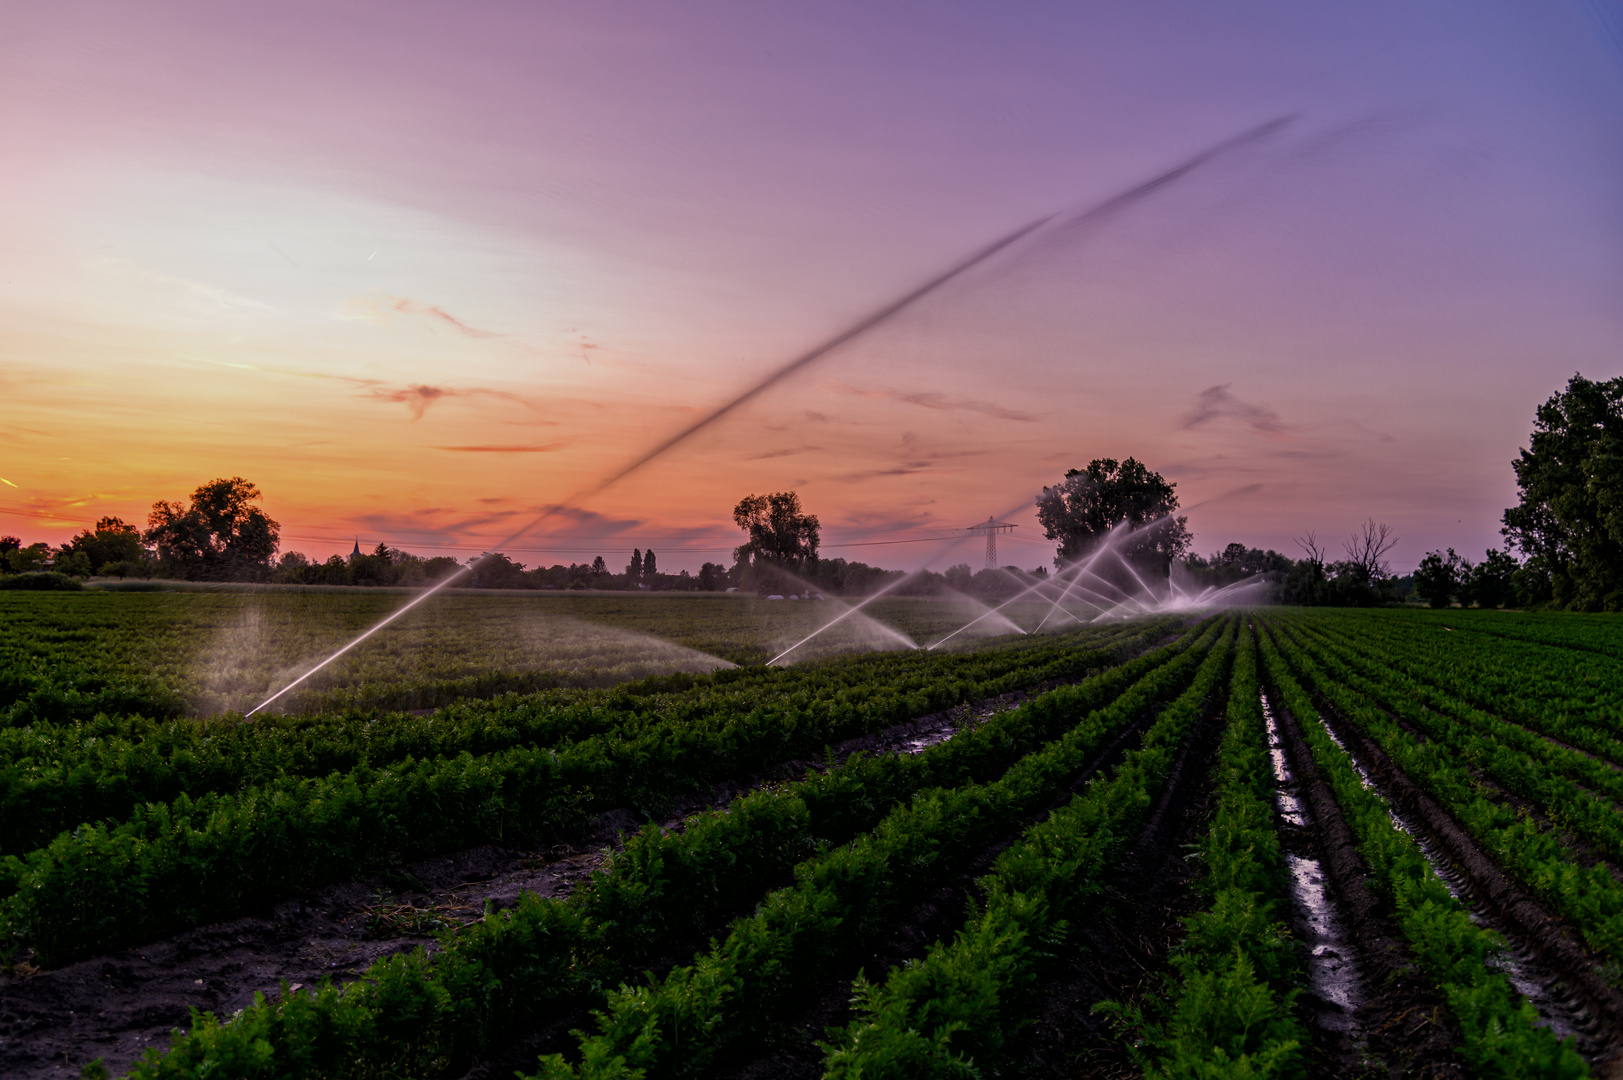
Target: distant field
207,650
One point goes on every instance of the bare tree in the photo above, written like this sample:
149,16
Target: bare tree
1310,544
1368,547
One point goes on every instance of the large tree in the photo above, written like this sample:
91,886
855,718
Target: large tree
1081,509
113,542
1569,522
221,536
781,534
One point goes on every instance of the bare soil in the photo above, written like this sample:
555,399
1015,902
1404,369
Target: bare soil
1400,1016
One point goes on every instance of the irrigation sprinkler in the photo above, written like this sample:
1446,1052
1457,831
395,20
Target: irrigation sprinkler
1059,226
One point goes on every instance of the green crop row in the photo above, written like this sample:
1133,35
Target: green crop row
174,865
58,777
1572,696
1501,1036
958,1011
1516,759
1588,897
770,965
421,1015
1226,1009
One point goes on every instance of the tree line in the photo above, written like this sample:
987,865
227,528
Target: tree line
1564,541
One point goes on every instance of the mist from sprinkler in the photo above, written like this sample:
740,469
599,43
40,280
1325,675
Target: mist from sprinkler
1058,228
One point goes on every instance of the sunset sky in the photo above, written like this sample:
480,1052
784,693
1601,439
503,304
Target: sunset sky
420,270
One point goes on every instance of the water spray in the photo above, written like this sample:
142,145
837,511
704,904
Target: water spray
1059,225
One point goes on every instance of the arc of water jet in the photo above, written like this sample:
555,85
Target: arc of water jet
889,630
952,545
1074,584
848,612
1020,595
1012,599
1078,576
976,603
1096,212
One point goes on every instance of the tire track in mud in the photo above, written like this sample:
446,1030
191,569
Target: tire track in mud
1395,1015
118,1005
1337,990
1545,960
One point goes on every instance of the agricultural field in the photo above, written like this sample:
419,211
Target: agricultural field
591,836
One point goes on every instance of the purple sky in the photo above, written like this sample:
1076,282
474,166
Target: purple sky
417,269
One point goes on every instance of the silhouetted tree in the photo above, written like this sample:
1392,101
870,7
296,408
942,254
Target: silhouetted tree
650,566
1082,508
1368,547
782,536
113,541
1440,578
1491,583
494,570
1569,522
28,560
712,577
599,567
221,536
634,568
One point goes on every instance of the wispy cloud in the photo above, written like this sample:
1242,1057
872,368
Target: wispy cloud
433,311
380,306
943,403
1217,402
925,463
418,397
783,453
509,448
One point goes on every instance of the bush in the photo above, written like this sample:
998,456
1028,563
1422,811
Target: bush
47,580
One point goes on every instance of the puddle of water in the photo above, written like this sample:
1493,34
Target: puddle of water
1332,973
1558,1010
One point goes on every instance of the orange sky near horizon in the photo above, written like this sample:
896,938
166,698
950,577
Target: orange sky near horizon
420,278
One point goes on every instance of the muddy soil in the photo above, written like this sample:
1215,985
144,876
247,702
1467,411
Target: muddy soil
1333,1004
1400,1017
116,1007
1527,923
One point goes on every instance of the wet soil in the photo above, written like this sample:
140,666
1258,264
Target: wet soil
116,1007
1531,928
1400,1018
1334,1004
